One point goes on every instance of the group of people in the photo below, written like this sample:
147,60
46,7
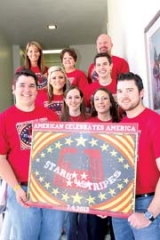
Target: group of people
66,94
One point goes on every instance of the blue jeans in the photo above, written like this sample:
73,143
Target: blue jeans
76,228
34,223
123,230
7,230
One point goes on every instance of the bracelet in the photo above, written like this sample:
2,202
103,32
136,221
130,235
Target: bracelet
16,187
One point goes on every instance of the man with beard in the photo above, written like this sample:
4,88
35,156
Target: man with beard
144,223
104,45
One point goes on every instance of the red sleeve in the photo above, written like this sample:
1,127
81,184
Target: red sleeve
90,72
81,81
124,66
52,116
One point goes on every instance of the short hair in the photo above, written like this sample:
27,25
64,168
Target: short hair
131,76
98,55
27,73
70,51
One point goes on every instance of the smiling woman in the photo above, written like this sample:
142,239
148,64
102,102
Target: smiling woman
57,83
34,61
75,76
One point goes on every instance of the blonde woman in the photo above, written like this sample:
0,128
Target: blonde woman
57,83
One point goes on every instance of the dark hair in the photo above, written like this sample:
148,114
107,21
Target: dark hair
27,73
65,117
70,51
113,109
98,55
131,76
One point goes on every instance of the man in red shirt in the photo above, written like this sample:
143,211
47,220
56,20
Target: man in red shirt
144,223
15,145
103,67
104,45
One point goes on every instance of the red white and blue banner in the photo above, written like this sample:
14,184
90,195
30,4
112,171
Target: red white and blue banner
84,167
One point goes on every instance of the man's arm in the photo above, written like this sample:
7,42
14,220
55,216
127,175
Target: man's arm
138,220
8,175
154,207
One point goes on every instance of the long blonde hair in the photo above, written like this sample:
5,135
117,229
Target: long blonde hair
49,86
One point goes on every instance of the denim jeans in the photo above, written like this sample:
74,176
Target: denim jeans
7,230
76,228
98,227
34,223
123,230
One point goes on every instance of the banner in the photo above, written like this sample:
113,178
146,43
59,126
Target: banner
84,167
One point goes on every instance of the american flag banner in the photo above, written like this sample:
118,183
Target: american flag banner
84,167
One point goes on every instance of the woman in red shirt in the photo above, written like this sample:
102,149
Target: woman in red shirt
74,111
53,96
103,109
35,62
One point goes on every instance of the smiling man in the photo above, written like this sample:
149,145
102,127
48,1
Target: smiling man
15,145
104,45
103,67
144,223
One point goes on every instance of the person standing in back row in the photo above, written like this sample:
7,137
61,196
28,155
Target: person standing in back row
75,76
144,223
104,45
35,62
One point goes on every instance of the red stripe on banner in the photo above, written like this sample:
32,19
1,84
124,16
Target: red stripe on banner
123,145
42,140
39,194
120,203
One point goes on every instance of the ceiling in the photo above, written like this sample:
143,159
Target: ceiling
78,21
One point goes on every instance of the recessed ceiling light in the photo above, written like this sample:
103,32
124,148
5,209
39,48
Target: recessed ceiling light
51,27
54,51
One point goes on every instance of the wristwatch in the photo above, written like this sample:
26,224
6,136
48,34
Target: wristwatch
148,215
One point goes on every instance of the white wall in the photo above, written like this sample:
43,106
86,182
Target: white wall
126,23
85,54
16,57
6,73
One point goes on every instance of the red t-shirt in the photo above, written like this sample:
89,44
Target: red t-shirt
120,65
78,78
148,150
96,85
55,104
16,136
42,78
96,119
79,118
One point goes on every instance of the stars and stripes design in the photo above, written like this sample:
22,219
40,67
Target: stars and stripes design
95,171
25,134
